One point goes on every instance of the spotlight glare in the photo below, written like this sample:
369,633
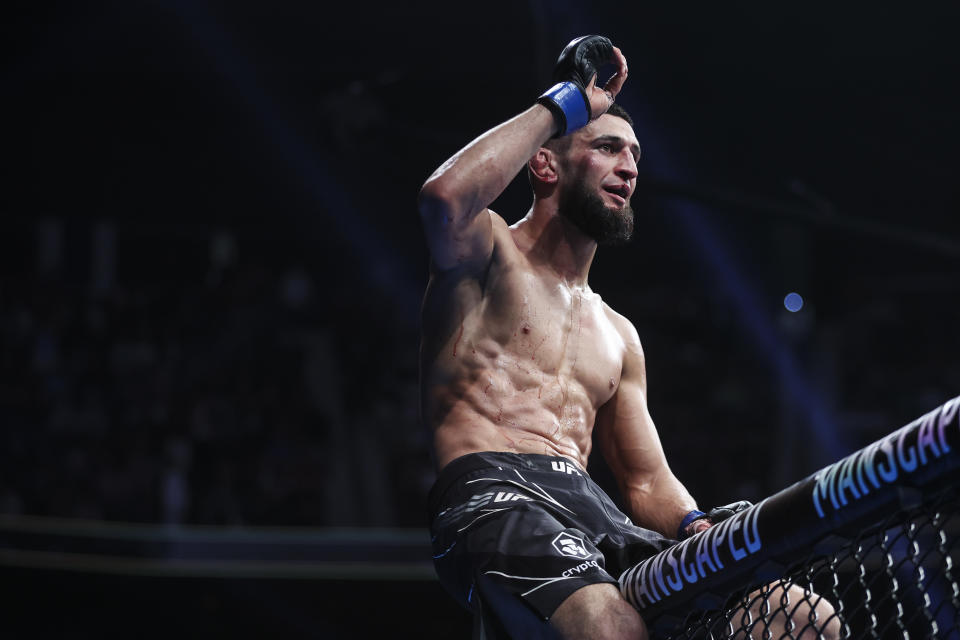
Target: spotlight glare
793,302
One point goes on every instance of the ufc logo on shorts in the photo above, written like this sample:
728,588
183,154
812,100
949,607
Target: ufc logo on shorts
509,497
558,465
570,545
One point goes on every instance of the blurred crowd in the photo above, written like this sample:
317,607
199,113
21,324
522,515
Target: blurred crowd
218,397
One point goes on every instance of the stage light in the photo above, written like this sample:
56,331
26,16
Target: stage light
793,302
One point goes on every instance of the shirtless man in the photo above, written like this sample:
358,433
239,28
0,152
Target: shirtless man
523,365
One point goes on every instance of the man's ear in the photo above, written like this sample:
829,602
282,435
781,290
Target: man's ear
543,166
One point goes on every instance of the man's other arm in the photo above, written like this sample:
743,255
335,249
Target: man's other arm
628,439
453,201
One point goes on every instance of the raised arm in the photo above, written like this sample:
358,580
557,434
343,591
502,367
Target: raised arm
628,439
453,202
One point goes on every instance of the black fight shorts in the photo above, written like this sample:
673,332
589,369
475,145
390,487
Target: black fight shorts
515,534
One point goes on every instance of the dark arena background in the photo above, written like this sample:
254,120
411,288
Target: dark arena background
211,266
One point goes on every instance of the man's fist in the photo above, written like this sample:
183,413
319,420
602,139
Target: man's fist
575,99
579,60
697,521
719,514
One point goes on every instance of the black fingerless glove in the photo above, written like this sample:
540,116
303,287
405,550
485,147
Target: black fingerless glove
717,514
575,67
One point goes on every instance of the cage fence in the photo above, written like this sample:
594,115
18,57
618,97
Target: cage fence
865,548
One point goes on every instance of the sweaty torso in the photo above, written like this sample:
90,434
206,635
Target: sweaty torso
515,358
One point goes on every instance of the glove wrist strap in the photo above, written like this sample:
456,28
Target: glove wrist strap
569,106
687,519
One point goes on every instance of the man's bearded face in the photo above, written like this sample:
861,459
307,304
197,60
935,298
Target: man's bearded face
606,225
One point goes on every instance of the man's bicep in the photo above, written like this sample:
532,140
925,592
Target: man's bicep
454,240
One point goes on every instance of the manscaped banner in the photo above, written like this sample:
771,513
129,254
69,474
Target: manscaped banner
857,491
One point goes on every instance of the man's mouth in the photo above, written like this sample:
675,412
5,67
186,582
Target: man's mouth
621,193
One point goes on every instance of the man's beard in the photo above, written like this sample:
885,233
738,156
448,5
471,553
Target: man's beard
607,226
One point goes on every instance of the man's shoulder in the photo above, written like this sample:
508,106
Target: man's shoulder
502,231
622,324
505,252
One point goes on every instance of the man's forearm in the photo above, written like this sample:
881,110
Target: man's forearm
660,504
473,178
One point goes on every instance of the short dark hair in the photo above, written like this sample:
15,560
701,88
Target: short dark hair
620,112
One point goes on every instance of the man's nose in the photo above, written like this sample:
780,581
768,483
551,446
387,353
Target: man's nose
627,167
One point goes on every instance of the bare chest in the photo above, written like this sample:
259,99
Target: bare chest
541,329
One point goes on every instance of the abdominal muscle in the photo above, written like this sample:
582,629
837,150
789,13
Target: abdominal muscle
520,364
512,407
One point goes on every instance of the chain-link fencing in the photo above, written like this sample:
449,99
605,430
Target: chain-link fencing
867,547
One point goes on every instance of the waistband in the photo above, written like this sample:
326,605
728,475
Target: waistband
471,462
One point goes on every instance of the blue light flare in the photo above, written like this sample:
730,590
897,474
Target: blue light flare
793,302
